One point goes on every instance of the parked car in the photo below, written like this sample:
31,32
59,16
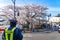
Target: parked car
2,28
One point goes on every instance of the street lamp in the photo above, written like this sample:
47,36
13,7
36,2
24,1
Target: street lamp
49,15
14,8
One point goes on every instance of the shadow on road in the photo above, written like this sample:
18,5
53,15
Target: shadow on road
42,31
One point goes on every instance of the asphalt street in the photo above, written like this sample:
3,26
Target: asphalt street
40,36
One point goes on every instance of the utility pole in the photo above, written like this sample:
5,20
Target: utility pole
14,8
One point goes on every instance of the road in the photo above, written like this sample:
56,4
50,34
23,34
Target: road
41,36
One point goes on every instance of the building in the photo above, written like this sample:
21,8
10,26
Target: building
54,20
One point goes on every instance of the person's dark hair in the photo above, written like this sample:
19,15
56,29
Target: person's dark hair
13,22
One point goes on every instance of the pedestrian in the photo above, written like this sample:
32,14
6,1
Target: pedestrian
12,33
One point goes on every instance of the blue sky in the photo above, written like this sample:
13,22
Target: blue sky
53,5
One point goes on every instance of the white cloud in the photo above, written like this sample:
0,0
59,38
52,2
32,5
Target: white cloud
51,9
2,5
54,11
5,3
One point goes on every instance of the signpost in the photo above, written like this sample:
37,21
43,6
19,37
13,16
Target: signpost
14,8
